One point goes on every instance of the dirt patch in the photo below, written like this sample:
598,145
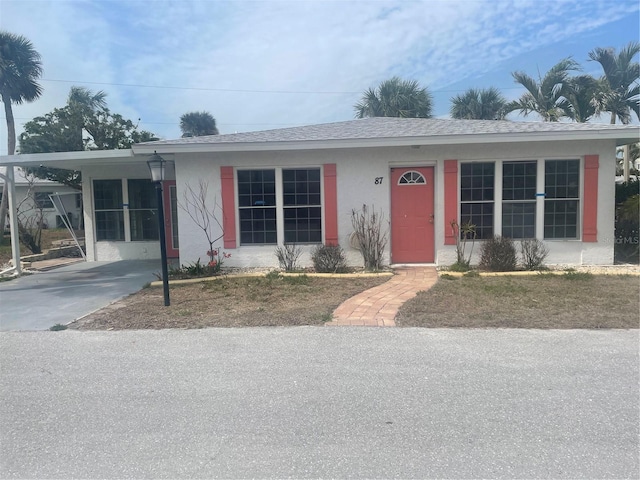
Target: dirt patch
231,302
573,300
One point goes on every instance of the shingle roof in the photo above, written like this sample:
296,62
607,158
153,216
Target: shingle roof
385,127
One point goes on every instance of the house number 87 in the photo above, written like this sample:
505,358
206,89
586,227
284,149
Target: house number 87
378,180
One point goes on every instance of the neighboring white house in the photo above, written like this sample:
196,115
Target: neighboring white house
551,181
33,197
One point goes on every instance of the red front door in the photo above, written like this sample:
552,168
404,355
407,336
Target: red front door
412,234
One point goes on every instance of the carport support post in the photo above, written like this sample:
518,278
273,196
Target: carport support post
156,166
10,181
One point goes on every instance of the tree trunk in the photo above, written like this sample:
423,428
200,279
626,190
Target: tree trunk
613,118
11,148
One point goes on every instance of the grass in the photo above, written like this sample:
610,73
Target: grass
274,300
572,300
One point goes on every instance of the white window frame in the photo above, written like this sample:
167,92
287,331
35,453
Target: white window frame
125,209
540,188
279,206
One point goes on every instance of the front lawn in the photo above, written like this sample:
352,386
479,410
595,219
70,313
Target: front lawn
572,300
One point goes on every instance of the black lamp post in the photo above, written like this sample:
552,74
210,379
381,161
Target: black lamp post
157,165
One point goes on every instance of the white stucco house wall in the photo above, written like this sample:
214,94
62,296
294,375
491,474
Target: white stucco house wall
551,181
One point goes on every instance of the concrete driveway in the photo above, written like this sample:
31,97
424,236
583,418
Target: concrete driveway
61,295
311,402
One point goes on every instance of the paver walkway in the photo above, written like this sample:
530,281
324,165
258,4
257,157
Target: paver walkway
377,307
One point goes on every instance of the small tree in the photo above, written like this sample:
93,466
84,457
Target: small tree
371,235
196,206
30,216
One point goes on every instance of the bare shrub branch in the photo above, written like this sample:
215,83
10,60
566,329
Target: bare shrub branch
288,256
371,233
196,206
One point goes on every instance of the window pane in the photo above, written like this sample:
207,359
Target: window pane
107,194
144,224
476,196
42,200
519,181
476,181
301,186
562,181
303,225
110,225
561,219
257,225
256,188
519,220
480,215
562,178
142,194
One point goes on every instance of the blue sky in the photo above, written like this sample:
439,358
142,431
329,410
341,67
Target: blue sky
258,65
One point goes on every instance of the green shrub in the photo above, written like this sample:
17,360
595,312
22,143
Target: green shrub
272,275
460,267
296,279
626,190
534,252
58,327
498,254
446,276
329,259
627,230
571,274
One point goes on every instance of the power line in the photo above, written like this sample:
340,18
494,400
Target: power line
204,89
139,85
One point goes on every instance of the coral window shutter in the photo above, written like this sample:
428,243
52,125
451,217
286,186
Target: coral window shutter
330,204
590,212
228,207
450,199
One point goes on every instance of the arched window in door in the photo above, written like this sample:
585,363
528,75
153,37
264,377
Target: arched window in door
412,177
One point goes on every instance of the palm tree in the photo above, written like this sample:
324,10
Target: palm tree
197,124
580,93
20,68
395,98
546,97
484,104
620,94
82,105
85,98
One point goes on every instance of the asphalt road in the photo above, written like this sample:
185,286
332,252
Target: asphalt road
314,402
43,299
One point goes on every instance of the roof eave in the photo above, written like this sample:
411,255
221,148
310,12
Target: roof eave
620,138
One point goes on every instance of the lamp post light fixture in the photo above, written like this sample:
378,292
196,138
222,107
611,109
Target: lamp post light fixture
157,167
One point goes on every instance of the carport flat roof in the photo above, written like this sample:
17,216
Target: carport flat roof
74,160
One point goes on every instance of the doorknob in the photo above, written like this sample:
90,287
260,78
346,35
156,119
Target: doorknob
431,218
